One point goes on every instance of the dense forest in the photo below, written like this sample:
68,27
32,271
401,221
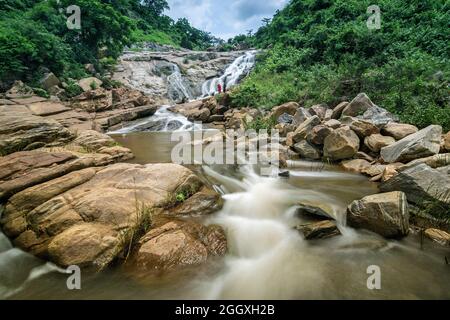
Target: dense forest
321,51
34,37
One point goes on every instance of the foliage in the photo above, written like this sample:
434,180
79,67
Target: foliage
321,51
261,123
34,37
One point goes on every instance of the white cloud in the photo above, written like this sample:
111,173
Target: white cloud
223,18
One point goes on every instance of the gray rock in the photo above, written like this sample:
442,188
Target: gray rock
301,116
386,214
426,142
379,116
49,80
306,150
285,118
358,106
423,186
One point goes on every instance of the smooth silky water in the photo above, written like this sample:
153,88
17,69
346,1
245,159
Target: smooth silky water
267,258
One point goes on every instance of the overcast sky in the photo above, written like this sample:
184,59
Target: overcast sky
225,18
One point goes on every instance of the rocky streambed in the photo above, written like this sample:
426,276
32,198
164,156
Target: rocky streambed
72,195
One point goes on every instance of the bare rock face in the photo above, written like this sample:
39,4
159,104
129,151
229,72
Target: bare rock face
376,142
386,214
319,110
91,83
358,106
66,209
343,143
21,130
179,244
421,144
399,130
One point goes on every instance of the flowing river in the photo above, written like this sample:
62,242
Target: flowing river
267,258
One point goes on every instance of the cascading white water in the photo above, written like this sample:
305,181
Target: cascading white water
163,120
177,89
232,75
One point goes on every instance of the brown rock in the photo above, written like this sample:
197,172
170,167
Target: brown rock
319,230
47,108
333,124
318,110
341,144
447,141
179,244
289,108
362,128
399,130
385,214
438,236
376,142
91,83
318,134
356,165
391,171
337,111
306,150
303,130
358,106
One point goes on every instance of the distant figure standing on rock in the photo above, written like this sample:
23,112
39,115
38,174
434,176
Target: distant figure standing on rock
225,85
219,88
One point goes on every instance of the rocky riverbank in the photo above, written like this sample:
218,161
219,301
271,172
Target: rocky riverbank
67,197
411,165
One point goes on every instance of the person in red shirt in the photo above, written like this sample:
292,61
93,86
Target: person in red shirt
219,88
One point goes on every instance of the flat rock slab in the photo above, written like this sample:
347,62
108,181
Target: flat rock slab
426,142
47,108
21,130
29,100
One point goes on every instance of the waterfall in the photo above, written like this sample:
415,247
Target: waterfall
239,69
177,90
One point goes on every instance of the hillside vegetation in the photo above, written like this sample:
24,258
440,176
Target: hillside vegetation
321,51
34,37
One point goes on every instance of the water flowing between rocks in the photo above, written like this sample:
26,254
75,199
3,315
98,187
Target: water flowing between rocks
267,258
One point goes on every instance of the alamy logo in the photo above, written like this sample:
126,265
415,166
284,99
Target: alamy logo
74,280
374,280
374,21
73,21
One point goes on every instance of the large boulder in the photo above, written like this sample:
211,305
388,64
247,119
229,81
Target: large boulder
179,244
358,106
426,142
49,80
21,130
343,143
399,130
319,230
301,115
423,186
319,110
289,108
306,150
386,214
91,83
447,141
47,108
362,128
337,111
376,142
305,128
90,217
318,134
379,116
